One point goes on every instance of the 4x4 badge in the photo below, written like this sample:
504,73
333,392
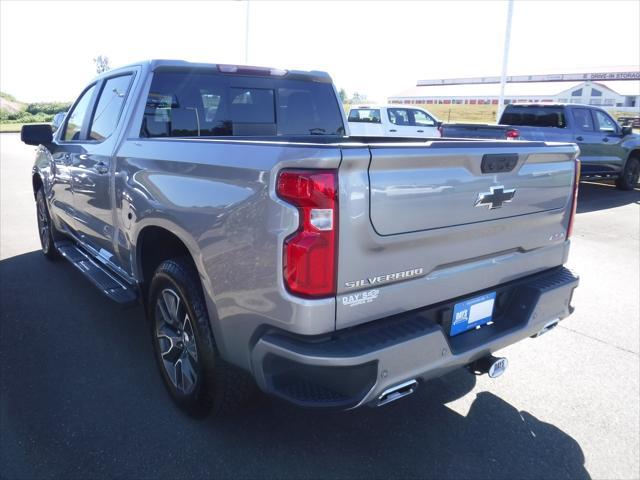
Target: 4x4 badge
495,197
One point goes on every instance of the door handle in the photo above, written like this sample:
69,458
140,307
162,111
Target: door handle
102,167
605,139
393,130
420,131
579,139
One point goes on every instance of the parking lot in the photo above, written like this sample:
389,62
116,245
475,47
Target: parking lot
80,396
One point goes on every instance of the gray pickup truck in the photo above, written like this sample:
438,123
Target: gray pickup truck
607,150
267,246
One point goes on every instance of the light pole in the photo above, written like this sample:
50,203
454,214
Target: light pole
505,60
246,37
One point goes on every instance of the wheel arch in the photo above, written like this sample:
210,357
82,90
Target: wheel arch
36,182
174,243
154,245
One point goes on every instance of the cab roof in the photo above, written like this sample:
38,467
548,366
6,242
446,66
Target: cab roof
157,64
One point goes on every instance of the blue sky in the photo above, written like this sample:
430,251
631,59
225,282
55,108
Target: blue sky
377,48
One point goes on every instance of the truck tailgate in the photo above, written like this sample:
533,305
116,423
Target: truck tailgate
421,224
415,189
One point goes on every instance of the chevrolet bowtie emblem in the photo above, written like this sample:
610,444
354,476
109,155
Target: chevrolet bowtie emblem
495,197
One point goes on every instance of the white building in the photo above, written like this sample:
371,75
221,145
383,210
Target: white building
624,93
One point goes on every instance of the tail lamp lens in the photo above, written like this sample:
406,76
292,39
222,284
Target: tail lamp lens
310,253
574,202
513,134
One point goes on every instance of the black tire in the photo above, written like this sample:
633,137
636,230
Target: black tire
203,382
628,179
46,229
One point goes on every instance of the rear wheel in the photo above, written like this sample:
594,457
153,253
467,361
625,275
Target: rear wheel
45,227
195,375
628,179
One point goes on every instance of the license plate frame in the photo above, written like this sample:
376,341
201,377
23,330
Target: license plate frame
472,313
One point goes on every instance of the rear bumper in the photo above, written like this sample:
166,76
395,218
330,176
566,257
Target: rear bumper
354,366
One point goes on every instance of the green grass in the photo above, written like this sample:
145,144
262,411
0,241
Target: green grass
463,113
10,127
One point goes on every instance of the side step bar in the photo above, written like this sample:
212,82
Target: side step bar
106,281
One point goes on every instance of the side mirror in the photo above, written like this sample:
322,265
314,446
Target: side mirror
439,123
626,130
37,134
58,118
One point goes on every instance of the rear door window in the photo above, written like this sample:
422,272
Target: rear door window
583,119
534,116
191,104
399,116
365,115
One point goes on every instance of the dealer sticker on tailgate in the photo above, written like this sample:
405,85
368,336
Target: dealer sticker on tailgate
472,313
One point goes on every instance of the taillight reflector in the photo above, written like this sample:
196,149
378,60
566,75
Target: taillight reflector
574,200
310,253
513,134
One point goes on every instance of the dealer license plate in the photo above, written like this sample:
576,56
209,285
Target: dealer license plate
472,313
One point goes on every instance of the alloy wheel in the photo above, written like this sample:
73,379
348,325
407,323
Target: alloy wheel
633,172
176,341
44,229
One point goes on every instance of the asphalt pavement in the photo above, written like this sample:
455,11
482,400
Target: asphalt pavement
80,396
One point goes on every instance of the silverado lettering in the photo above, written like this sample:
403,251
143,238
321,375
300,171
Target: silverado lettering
385,278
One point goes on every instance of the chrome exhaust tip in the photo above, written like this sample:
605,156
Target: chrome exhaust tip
396,393
548,327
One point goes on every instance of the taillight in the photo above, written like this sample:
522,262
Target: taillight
310,253
574,201
513,134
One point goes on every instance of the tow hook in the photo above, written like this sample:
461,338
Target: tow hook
493,366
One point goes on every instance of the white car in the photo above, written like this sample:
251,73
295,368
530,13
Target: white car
392,121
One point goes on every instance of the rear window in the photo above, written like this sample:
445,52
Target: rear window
365,115
534,116
192,104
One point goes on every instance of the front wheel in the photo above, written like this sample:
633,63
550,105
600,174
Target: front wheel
195,375
628,179
45,227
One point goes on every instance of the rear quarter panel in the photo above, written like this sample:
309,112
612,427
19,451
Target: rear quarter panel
218,198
